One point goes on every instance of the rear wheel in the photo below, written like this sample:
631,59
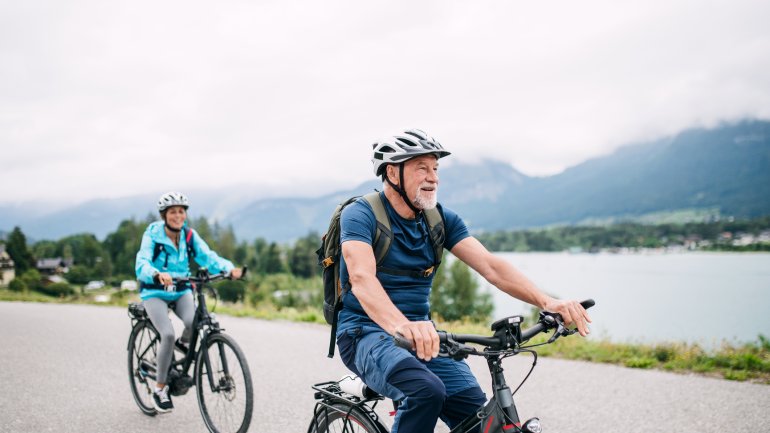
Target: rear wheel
142,349
341,417
223,385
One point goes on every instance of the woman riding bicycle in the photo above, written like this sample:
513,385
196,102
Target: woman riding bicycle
164,255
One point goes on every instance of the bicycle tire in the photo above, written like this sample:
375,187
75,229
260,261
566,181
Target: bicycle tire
333,420
142,345
217,405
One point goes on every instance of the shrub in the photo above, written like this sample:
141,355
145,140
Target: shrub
737,375
664,353
17,285
32,279
57,289
640,362
231,291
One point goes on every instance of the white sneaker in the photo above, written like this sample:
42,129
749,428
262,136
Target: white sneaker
162,400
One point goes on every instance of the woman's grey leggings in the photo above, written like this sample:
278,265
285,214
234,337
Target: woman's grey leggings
157,309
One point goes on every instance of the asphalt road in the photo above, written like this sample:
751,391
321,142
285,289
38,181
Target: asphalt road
63,369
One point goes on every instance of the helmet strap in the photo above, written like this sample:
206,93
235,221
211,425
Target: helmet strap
172,229
401,191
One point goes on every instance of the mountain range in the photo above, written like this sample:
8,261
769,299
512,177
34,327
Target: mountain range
719,171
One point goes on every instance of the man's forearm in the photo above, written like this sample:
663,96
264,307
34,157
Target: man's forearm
377,304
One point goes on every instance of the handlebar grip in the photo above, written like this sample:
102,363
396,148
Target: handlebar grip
402,342
243,274
588,303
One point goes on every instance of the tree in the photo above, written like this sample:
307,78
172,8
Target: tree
204,230
84,249
44,248
225,241
456,297
273,262
16,247
80,274
257,261
241,254
122,246
303,261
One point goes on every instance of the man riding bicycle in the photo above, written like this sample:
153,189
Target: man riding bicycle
390,297
164,255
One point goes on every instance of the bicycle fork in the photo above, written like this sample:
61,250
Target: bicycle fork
224,384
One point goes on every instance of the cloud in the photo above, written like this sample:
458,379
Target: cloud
106,98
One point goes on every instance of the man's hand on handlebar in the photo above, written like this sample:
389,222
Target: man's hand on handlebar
423,337
571,313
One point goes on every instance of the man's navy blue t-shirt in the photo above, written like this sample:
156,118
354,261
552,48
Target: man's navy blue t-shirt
410,249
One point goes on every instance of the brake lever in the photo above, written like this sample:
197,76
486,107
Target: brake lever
561,330
455,350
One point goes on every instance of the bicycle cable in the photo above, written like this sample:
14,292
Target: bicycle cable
531,369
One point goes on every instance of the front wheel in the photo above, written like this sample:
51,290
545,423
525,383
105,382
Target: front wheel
142,351
223,385
341,417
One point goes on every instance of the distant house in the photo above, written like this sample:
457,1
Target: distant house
7,268
53,266
129,285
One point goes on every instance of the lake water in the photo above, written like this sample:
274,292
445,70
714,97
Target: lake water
694,297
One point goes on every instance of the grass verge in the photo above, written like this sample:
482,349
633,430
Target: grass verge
744,362
741,362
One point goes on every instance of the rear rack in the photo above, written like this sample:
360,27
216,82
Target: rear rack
326,390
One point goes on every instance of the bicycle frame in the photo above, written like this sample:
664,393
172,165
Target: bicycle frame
499,413
499,410
204,325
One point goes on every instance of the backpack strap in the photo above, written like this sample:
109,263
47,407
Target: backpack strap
383,235
156,250
160,248
188,237
437,233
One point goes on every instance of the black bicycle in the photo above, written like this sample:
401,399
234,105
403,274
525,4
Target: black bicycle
220,372
343,408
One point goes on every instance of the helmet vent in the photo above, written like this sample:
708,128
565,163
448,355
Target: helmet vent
415,135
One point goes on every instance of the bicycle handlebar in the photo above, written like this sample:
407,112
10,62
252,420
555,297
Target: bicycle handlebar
547,321
207,278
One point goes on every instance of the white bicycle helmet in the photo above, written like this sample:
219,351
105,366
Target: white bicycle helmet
407,145
172,199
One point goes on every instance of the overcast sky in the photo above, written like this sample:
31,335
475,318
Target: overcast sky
108,98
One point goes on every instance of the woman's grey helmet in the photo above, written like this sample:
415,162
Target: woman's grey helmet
170,199
405,146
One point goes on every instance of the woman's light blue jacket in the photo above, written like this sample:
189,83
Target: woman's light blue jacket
178,264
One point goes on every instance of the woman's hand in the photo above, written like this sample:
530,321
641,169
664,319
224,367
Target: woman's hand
236,273
164,278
